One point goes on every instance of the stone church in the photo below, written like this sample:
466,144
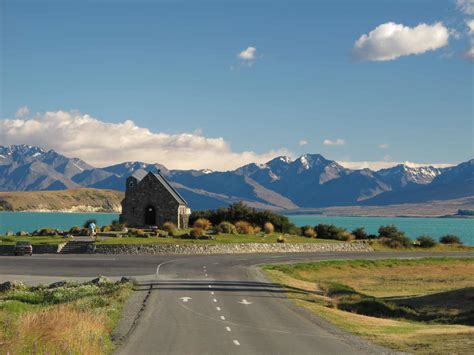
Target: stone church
150,200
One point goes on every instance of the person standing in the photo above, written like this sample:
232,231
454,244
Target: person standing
92,228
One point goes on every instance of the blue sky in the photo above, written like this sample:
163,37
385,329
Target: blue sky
173,67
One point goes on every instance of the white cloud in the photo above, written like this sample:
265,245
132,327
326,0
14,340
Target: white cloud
248,54
337,141
22,112
384,146
466,6
303,142
377,165
101,143
390,41
470,25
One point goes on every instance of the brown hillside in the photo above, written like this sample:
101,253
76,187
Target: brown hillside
76,200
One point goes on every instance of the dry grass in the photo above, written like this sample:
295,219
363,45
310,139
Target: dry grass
387,278
60,328
393,279
82,326
441,248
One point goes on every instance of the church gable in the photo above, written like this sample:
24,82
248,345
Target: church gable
151,200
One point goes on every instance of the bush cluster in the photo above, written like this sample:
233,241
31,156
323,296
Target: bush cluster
240,212
450,239
170,228
425,241
226,228
330,231
244,227
202,223
268,228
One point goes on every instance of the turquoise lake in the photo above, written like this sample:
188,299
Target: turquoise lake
413,227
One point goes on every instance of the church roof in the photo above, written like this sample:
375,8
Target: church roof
140,174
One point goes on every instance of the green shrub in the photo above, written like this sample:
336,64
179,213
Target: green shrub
116,226
244,227
268,228
330,231
171,228
46,232
450,239
425,241
226,228
202,223
397,242
359,233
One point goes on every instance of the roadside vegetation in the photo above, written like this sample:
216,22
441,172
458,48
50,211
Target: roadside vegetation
61,318
417,306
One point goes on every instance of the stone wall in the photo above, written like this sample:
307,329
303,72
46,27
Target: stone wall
37,249
238,248
148,192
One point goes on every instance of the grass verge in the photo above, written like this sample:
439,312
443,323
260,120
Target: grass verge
421,306
72,319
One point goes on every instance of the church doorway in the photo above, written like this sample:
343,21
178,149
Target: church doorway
150,216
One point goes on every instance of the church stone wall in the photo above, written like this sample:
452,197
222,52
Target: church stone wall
148,192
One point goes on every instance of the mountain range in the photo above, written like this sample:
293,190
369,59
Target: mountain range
310,181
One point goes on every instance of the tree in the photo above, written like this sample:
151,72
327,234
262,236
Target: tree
450,239
390,231
426,241
359,233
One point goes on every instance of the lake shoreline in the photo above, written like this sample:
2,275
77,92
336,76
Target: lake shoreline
69,211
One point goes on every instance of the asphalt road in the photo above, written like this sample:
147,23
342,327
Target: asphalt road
210,304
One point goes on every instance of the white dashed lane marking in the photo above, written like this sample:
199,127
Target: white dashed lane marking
236,342
214,300
212,292
222,317
218,308
228,329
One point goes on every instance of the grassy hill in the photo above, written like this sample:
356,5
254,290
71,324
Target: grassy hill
76,200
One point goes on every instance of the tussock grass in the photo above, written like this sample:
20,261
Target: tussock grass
75,319
61,329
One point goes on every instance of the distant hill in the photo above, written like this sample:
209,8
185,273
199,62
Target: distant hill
77,200
311,181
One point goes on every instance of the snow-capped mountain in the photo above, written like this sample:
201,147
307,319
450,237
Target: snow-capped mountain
402,175
282,183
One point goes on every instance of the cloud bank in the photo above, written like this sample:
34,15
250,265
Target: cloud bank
102,143
390,41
